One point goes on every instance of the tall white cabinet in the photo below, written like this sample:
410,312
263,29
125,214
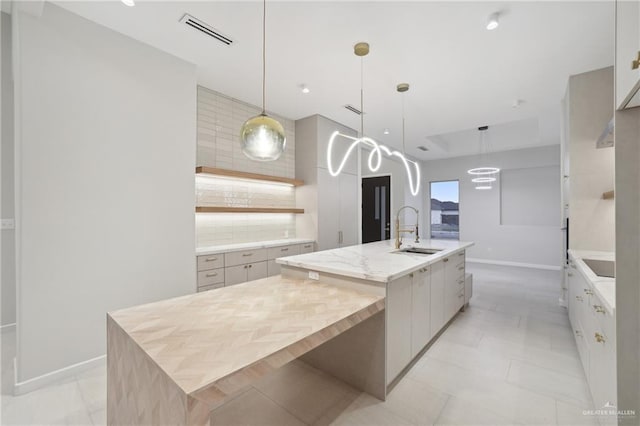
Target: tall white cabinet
330,202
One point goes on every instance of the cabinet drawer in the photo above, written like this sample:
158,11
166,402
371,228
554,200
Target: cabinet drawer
211,261
276,252
212,276
210,287
306,248
247,256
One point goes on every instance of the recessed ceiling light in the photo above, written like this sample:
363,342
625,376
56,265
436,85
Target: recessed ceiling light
129,3
386,131
304,89
492,22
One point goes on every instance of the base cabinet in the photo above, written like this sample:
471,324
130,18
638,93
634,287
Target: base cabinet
594,330
436,303
418,306
399,316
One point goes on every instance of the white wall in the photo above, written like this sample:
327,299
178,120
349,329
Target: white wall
480,211
105,184
8,268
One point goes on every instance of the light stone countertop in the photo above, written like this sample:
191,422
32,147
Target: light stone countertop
204,251
379,261
604,287
210,341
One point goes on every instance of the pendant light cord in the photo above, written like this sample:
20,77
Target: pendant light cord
362,96
404,151
264,56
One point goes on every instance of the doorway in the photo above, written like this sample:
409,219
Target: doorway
376,209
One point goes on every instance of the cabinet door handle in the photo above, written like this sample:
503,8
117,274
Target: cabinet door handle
461,254
247,254
579,298
461,268
589,292
245,267
460,281
569,274
460,295
578,333
284,249
250,266
211,259
599,338
307,246
215,274
446,260
599,309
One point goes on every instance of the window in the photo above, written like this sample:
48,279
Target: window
445,215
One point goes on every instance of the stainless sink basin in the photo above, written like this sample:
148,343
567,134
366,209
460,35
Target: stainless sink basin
418,250
602,268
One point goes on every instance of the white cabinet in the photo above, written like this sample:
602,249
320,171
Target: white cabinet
242,273
420,306
330,202
398,308
627,53
437,319
453,285
594,330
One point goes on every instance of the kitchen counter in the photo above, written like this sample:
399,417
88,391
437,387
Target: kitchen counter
171,362
204,251
604,287
379,261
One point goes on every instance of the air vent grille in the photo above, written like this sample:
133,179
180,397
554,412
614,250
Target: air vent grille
423,148
353,109
205,28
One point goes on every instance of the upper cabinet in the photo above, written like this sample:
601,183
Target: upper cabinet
627,53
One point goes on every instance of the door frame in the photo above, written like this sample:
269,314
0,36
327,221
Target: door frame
391,212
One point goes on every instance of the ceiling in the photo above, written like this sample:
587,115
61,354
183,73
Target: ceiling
461,75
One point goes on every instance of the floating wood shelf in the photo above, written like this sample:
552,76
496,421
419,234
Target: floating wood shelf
247,210
608,195
202,170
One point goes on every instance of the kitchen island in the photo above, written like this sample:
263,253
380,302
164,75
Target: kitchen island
424,291
366,313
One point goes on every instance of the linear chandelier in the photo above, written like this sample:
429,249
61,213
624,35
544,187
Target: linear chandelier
377,150
375,158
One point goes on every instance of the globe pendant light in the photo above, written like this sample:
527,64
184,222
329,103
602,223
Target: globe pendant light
262,137
483,177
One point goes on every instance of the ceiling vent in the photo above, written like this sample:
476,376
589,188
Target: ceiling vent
353,109
206,29
423,148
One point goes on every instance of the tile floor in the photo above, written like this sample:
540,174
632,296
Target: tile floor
510,359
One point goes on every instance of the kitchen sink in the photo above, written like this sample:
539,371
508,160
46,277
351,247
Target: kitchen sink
602,268
418,250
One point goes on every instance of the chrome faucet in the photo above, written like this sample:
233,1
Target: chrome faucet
400,231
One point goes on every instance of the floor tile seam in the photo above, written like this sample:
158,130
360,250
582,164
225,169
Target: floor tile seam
291,413
82,397
446,402
575,376
546,395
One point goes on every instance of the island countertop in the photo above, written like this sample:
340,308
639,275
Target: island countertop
379,261
206,342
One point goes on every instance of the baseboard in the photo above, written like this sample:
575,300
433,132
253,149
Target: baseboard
519,264
7,327
30,385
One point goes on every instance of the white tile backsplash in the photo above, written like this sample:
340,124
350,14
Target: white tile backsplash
218,145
